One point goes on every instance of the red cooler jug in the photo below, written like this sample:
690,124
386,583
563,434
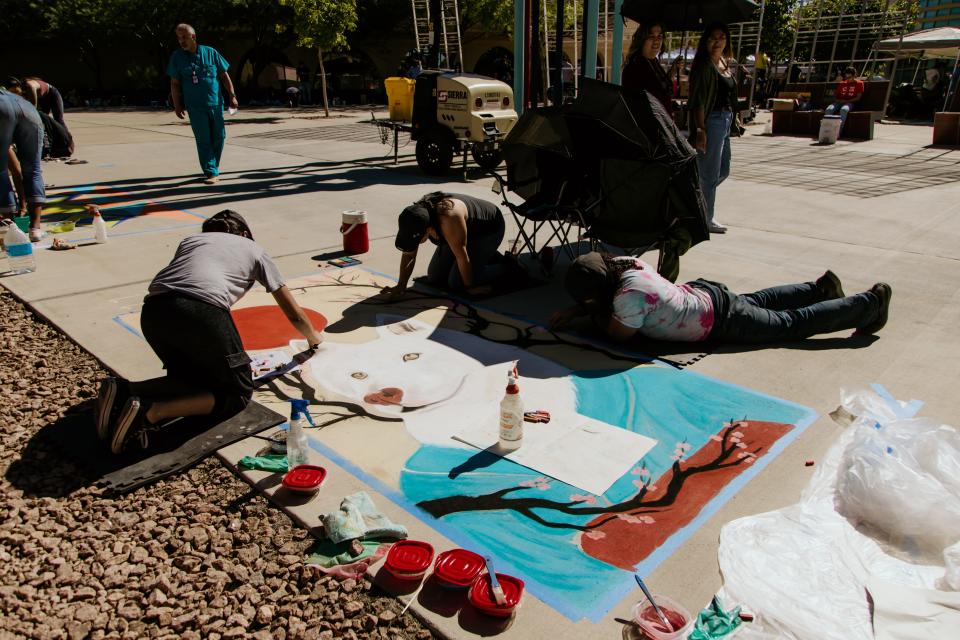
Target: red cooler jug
354,230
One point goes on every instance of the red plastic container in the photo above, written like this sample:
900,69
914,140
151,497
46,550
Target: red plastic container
482,598
354,231
305,478
457,568
409,559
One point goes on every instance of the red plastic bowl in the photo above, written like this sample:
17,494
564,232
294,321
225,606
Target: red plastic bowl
304,478
457,568
409,559
482,598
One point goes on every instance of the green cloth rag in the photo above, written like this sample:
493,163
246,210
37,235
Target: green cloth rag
714,623
329,554
272,462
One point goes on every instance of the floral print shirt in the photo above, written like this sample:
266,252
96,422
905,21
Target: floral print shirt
660,309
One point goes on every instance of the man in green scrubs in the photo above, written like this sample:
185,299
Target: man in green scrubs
196,74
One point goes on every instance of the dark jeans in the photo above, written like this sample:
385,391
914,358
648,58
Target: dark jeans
484,258
787,312
198,343
52,102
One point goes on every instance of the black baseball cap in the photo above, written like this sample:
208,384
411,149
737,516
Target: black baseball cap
412,225
586,279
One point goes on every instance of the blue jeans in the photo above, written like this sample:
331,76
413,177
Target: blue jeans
844,108
210,134
787,312
484,258
20,124
714,165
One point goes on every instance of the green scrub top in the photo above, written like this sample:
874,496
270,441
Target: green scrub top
198,74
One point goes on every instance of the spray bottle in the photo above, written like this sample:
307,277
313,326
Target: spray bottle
99,226
511,414
297,446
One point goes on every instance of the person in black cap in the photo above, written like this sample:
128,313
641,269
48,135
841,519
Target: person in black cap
467,231
626,296
186,321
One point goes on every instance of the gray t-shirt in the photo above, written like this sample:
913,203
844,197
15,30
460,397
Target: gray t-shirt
217,268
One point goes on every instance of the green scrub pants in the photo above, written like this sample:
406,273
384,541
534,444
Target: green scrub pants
210,133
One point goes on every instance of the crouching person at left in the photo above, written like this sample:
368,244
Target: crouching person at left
186,320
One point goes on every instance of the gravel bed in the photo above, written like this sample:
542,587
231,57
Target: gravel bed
198,555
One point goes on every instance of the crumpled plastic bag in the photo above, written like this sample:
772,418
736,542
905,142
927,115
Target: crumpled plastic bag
903,480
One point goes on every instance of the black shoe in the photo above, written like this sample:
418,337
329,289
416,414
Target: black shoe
883,292
113,394
131,425
829,286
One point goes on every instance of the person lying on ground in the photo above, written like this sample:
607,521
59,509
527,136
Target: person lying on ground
186,320
467,231
626,297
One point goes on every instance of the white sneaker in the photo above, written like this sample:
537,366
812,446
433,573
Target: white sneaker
36,235
716,227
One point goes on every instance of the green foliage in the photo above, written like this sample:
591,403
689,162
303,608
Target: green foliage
777,37
322,23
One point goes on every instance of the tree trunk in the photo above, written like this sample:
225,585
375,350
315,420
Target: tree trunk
323,84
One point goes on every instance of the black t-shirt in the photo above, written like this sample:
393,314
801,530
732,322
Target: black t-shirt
483,218
726,93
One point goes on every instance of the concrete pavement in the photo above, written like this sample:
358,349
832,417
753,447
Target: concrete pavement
886,210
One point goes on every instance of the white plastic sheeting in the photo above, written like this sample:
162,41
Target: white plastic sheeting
803,570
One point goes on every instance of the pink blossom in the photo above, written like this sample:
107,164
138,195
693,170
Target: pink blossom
639,484
595,535
749,460
628,518
643,472
716,438
543,486
737,434
742,445
652,487
646,519
585,498
528,483
684,446
676,457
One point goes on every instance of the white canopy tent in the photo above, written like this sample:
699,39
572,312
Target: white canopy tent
942,42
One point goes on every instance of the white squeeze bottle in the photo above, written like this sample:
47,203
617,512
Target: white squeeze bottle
511,414
99,227
297,446
19,251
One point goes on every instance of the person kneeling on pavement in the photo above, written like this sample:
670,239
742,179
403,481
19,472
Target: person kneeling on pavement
467,231
186,320
626,296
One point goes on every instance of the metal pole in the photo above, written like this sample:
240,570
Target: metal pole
856,38
893,71
952,86
546,50
617,54
576,49
536,82
756,54
816,35
519,42
558,83
883,26
591,27
836,36
527,52
796,36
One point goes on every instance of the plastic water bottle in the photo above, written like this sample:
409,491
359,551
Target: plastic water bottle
297,446
99,227
19,251
511,415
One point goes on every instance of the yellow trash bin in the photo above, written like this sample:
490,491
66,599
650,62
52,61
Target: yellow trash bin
400,97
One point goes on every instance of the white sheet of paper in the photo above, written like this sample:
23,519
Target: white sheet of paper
580,451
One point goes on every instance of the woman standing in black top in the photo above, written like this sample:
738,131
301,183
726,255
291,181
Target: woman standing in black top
713,113
467,232
643,71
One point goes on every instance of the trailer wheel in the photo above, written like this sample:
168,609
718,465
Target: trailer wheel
487,159
435,152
